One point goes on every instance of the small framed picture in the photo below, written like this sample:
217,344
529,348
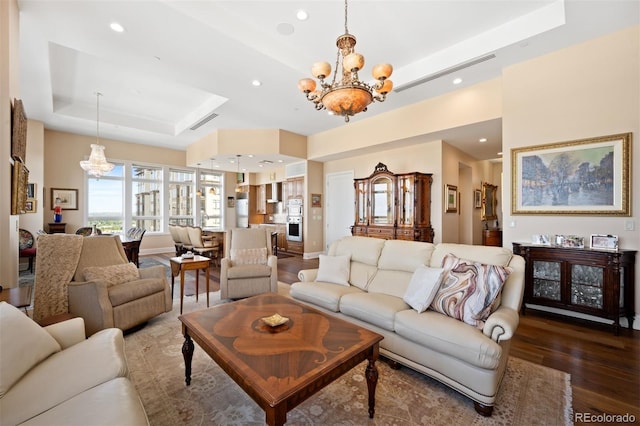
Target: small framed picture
451,198
477,198
67,199
316,200
601,241
231,202
31,190
30,205
541,239
572,241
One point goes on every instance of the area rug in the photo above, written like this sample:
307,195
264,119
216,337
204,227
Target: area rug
530,394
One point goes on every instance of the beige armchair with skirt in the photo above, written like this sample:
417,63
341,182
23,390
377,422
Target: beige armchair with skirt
249,266
90,277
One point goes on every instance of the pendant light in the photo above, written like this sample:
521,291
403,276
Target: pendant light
97,164
198,191
212,190
238,181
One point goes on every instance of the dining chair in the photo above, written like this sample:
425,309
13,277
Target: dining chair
27,247
208,248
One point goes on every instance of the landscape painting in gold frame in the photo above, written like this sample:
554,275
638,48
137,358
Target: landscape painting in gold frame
580,177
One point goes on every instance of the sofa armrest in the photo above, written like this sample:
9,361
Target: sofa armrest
502,324
307,275
90,300
68,332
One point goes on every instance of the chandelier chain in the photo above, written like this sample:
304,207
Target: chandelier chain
98,94
346,30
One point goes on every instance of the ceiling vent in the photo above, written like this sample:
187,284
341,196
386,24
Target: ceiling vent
444,72
204,121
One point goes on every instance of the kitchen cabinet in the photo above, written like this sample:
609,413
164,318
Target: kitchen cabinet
600,283
393,206
293,188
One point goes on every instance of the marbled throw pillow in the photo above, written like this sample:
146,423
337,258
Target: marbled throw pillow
113,274
469,289
249,256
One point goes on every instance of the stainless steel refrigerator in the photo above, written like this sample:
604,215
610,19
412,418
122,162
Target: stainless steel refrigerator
242,210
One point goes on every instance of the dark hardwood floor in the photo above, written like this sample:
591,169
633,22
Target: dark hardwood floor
604,368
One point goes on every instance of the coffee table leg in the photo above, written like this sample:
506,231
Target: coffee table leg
371,373
276,416
187,353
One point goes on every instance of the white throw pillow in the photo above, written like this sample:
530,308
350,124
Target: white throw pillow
334,269
24,345
423,287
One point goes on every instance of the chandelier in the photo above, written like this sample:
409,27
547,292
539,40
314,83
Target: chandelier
347,95
97,164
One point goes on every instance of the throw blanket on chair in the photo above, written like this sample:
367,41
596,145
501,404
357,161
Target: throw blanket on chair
58,256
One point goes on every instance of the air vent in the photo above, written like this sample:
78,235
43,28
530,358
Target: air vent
444,72
204,121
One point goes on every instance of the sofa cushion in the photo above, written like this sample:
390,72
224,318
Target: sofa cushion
448,336
325,295
134,290
399,255
248,271
393,283
489,255
112,274
423,287
248,256
115,402
24,345
469,289
361,249
334,269
80,367
374,308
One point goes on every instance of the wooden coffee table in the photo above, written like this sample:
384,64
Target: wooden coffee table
280,367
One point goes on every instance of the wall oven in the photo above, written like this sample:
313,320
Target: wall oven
294,228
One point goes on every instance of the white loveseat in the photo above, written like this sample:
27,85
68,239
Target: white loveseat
54,376
469,359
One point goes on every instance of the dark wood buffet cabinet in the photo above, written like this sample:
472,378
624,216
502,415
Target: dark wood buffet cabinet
393,206
600,283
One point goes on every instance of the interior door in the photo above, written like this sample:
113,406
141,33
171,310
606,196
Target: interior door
339,209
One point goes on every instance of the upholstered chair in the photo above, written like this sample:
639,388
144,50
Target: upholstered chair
183,233
27,245
175,236
249,266
91,278
208,248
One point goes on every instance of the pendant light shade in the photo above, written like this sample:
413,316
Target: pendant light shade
97,164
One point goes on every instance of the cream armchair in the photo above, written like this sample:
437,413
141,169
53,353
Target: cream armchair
91,278
249,266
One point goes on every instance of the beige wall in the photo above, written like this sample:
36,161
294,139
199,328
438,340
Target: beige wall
313,225
35,163
9,35
588,90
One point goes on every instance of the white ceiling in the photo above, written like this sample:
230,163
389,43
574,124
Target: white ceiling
179,61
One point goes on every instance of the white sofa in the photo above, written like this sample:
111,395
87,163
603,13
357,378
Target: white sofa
54,376
469,359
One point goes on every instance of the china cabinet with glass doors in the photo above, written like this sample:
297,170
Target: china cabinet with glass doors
393,206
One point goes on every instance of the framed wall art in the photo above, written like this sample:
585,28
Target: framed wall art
606,242
31,190
316,200
581,177
451,198
66,198
19,180
30,206
477,198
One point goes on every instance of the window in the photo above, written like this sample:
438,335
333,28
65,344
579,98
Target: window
146,185
133,194
181,183
105,201
210,199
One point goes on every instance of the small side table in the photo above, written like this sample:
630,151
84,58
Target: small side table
57,228
180,265
20,297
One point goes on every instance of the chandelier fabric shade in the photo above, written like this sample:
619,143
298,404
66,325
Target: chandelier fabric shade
97,164
346,95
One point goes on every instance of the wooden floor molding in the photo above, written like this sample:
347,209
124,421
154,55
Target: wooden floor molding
604,368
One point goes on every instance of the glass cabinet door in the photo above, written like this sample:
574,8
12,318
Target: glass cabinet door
587,283
361,202
405,200
546,280
382,201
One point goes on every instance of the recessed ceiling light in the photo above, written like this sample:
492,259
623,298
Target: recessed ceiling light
250,155
280,161
256,83
457,80
260,165
116,27
500,153
481,140
302,15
